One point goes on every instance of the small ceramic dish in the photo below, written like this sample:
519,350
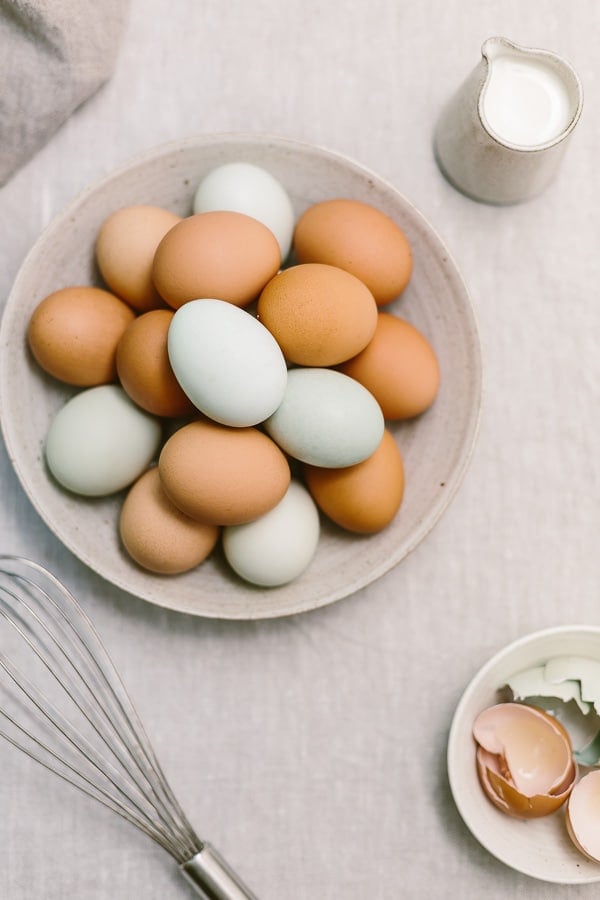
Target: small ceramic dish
436,447
540,848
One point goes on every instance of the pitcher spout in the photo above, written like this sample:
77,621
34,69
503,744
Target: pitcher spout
501,137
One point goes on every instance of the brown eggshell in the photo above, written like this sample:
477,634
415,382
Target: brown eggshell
524,759
363,498
125,249
319,315
399,367
583,815
508,799
359,238
218,255
73,334
222,475
143,366
157,535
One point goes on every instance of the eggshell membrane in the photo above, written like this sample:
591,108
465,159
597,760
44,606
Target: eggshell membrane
125,249
363,498
73,334
223,254
583,815
320,315
222,475
398,366
359,238
157,535
524,759
144,369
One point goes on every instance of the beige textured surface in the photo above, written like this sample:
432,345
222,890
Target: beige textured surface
311,750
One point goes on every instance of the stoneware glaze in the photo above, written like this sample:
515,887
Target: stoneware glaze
501,137
436,447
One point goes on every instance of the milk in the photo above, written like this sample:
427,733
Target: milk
526,102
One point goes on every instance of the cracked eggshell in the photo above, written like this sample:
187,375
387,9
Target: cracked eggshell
535,683
524,759
579,668
508,799
569,688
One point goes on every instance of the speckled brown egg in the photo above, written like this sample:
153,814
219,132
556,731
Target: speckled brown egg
223,475
125,249
74,332
219,255
144,369
357,237
157,535
363,498
319,315
399,367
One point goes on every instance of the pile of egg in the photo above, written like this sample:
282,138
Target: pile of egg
236,375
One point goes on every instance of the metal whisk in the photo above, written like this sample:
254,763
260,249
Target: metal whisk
81,724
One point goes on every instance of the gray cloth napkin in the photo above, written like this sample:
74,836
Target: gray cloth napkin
54,54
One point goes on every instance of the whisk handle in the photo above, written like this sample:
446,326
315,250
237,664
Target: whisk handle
213,878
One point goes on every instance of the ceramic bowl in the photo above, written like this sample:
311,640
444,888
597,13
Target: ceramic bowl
436,447
540,848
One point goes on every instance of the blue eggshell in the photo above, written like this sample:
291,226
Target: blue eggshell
326,419
226,361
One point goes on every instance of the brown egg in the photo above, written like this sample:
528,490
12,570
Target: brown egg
223,475
399,367
125,249
73,334
143,366
363,498
157,535
216,255
359,238
319,315
524,759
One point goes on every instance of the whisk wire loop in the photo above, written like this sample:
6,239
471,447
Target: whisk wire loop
83,726
129,786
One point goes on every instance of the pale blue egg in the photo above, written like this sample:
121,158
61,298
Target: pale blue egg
326,419
226,361
99,442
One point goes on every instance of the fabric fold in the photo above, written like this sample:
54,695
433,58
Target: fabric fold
54,55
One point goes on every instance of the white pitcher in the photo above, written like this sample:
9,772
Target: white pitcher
501,137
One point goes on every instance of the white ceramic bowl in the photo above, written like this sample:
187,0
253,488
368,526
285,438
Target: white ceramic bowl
540,848
436,448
